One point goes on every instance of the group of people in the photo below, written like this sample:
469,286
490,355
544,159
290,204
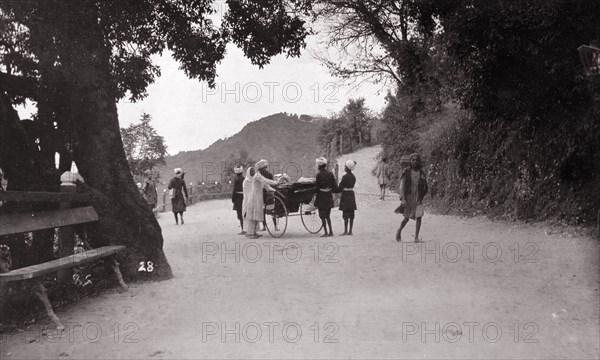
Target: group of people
249,193
326,185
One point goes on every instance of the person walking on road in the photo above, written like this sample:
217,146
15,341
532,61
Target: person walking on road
326,184
178,189
413,187
347,199
237,195
383,177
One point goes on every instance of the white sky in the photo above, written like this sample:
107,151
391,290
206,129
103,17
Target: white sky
190,116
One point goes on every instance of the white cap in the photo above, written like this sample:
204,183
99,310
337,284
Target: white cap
350,164
321,161
261,164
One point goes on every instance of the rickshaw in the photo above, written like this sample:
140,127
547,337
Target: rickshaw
295,199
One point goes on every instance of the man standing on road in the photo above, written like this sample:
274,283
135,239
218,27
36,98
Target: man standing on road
383,177
237,195
326,184
413,187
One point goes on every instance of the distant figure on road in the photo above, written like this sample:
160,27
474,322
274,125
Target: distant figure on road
325,183
348,200
237,195
150,190
413,187
383,177
178,189
255,212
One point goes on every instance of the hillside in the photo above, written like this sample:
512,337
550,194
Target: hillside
289,143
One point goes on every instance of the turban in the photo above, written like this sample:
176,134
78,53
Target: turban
262,164
350,164
148,172
177,170
238,170
415,156
321,161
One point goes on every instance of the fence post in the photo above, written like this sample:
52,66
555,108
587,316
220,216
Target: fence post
164,204
66,235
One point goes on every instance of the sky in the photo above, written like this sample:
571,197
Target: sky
191,116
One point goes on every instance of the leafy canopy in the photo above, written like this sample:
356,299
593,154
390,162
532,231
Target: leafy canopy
144,148
134,30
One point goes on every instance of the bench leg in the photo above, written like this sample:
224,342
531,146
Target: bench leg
112,263
3,301
40,291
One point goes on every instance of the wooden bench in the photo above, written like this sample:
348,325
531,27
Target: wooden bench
17,223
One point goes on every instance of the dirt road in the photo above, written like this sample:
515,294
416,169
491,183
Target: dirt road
473,289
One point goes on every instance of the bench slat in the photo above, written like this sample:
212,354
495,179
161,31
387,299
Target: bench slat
32,271
24,222
39,196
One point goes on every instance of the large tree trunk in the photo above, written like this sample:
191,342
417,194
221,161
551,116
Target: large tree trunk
125,218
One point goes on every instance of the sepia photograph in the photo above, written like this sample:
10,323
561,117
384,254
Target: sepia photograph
299,179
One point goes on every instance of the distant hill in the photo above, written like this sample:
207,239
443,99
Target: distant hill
288,142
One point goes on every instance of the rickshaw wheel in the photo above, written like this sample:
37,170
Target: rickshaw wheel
276,216
310,217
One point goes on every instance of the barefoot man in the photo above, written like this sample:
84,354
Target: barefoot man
413,187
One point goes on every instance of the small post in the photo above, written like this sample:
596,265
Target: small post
191,194
66,235
164,204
